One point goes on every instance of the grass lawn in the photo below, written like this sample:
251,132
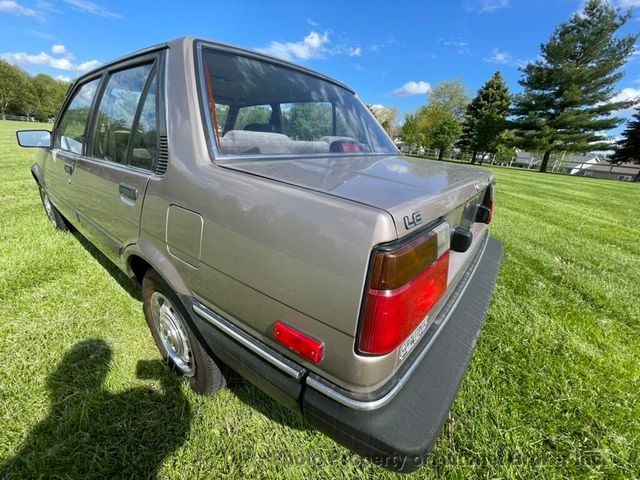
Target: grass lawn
553,389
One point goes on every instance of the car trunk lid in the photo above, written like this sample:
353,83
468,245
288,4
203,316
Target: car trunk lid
413,191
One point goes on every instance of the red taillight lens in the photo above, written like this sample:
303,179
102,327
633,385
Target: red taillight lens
405,284
490,211
297,341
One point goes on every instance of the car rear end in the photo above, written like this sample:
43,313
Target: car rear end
412,302
424,303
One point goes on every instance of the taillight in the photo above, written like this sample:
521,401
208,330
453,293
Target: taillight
299,342
405,283
484,214
490,211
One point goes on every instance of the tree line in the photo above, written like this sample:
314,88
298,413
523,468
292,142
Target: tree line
568,103
37,97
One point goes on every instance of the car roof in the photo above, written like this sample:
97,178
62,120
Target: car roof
185,42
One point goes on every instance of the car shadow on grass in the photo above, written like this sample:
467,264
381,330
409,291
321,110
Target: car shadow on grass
91,432
243,390
255,398
131,287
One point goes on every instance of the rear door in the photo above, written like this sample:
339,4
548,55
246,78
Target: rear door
69,144
110,180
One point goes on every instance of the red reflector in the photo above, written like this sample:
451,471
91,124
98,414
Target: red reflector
392,315
490,211
297,341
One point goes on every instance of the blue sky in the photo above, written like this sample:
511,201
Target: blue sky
389,52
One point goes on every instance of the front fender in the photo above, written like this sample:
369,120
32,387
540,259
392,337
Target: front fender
37,173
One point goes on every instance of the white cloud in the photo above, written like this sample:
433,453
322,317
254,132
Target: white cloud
625,95
11,6
58,49
484,6
629,3
498,56
311,46
36,33
355,52
86,6
65,63
461,45
312,23
413,88
86,66
63,78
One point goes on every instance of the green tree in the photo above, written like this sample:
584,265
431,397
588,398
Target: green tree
451,97
308,121
569,93
410,131
387,117
27,101
10,83
49,95
628,149
485,117
446,103
445,136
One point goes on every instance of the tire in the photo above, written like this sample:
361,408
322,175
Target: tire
174,337
54,216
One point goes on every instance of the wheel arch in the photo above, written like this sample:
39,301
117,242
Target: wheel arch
36,173
144,255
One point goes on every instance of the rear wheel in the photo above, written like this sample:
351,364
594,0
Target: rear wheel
54,216
177,343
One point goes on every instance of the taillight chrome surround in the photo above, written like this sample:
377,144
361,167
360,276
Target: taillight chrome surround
405,281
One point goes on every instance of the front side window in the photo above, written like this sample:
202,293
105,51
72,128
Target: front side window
73,124
275,110
117,112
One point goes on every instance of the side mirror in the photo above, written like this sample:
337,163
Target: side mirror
34,138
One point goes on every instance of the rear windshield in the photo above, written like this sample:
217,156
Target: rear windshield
256,108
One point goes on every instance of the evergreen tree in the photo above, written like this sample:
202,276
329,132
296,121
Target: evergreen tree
569,93
628,149
485,117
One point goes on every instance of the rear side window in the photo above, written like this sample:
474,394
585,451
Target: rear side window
117,112
73,124
144,149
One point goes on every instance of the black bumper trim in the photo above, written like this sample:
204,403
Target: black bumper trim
401,433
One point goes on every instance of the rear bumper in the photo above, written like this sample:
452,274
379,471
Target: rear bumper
401,433
395,430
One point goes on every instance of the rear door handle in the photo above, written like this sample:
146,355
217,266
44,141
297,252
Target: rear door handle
68,168
128,191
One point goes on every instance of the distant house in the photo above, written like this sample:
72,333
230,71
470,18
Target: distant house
588,164
626,172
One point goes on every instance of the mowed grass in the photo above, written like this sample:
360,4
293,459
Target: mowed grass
553,389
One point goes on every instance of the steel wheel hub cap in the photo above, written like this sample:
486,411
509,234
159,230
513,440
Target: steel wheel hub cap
173,334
